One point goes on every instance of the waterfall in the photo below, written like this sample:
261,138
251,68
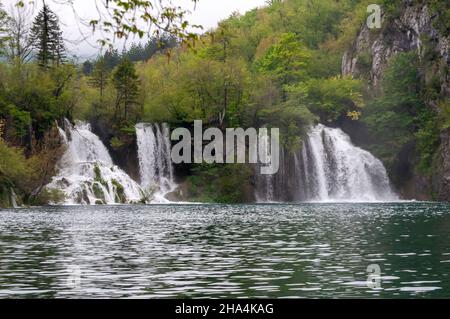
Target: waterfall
267,182
344,171
87,174
13,199
155,162
328,167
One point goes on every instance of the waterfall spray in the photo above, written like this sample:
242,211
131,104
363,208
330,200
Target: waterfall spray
155,163
87,174
328,167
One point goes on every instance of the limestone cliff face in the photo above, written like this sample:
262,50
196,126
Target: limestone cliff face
412,29
402,34
126,156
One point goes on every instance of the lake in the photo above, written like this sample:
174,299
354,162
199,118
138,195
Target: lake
233,251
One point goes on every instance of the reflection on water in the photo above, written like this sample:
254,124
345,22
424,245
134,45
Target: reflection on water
300,251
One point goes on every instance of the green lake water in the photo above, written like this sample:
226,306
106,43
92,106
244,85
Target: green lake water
212,251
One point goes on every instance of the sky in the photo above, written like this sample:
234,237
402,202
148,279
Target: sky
83,44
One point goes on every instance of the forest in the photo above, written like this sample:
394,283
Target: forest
276,66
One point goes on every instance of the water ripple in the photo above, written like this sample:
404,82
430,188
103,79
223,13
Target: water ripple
285,251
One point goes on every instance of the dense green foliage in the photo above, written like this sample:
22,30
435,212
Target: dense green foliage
274,66
14,172
277,66
219,184
399,117
26,175
136,53
126,83
254,69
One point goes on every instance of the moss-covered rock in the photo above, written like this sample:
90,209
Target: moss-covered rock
98,175
98,191
120,196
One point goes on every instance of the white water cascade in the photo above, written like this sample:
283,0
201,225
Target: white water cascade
87,174
328,168
13,199
155,162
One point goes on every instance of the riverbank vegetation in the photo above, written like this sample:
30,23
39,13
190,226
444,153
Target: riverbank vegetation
277,66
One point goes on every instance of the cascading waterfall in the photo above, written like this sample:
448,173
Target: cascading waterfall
327,168
155,162
13,199
265,182
87,174
343,171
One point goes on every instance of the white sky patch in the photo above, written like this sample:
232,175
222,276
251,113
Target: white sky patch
83,44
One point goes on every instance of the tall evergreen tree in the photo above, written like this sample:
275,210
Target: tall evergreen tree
47,38
126,83
99,77
87,67
112,59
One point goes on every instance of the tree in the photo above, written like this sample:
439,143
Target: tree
87,67
19,44
99,77
126,83
135,52
112,59
286,61
220,88
3,27
137,17
330,99
47,38
399,116
220,48
15,172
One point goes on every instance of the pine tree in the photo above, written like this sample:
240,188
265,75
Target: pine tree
47,38
126,83
87,67
112,59
99,77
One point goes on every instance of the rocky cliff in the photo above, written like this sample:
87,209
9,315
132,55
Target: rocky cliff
411,30
412,27
124,156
